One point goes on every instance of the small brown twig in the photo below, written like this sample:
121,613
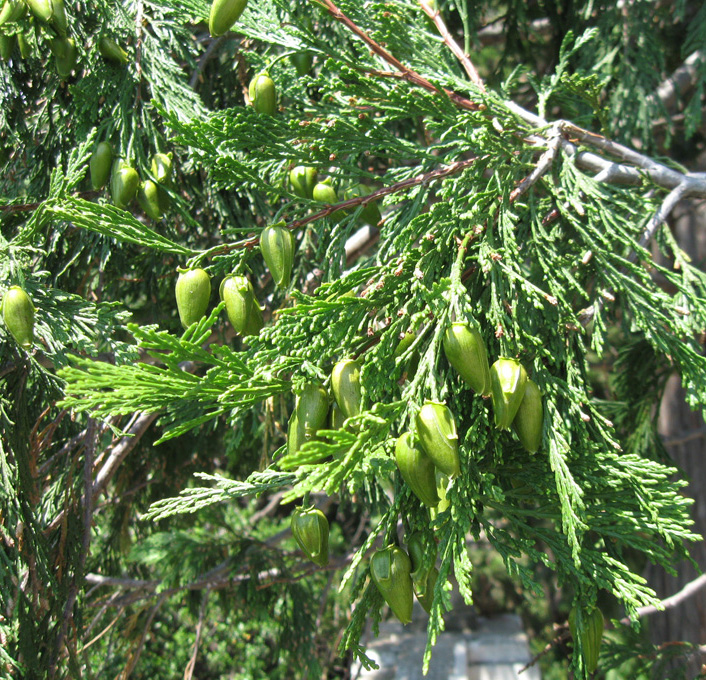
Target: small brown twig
562,634
189,671
425,178
465,60
689,590
77,578
543,165
210,51
407,73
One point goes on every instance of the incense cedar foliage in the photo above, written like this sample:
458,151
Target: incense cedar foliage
146,485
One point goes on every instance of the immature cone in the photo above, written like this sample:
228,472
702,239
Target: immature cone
7,45
312,408
161,167
18,315
244,313
423,579
425,591
263,94
442,485
465,350
530,418
148,198
66,62
416,469
193,292
335,417
302,62
111,51
100,165
277,247
310,530
23,44
345,384
436,430
507,382
302,179
390,570
591,636
325,193
12,10
224,13
41,9
295,434
124,182
58,16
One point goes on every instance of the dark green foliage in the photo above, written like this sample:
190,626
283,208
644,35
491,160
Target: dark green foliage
145,484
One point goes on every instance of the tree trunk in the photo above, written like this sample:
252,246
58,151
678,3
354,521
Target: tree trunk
684,434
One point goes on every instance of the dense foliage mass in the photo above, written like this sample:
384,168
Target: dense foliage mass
297,307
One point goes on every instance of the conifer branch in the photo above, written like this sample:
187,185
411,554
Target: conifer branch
407,73
433,175
465,60
543,165
205,57
119,452
689,590
658,173
680,81
673,197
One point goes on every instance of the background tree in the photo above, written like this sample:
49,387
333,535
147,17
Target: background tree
146,481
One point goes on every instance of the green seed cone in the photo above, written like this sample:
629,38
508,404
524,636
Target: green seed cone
7,45
41,9
162,169
111,51
224,13
23,44
193,292
417,470
465,351
303,180
295,434
442,483
507,381
422,579
148,198
263,94
18,315
12,10
345,385
66,63
530,418
312,408
390,570
370,213
277,247
424,590
124,182
100,165
324,193
436,430
58,16
310,530
591,637
335,417
302,62
244,313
